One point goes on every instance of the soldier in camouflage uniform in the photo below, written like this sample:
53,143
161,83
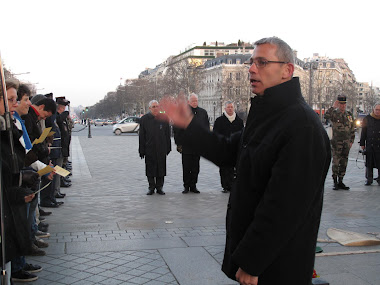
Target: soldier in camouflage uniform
342,139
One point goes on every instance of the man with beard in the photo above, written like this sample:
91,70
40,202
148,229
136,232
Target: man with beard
154,145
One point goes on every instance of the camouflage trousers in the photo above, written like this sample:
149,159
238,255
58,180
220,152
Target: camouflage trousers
340,151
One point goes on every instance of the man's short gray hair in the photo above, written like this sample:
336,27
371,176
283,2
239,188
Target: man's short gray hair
284,51
193,94
228,103
377,103
151,103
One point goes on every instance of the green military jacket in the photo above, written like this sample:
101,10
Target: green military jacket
342,125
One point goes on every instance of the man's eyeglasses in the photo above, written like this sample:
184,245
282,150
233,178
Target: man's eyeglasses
260,62
154,106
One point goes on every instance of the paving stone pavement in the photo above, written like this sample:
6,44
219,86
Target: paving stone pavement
110,232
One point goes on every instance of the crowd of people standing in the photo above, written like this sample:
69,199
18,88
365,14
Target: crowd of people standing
32,182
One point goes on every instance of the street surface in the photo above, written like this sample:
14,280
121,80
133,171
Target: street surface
110,232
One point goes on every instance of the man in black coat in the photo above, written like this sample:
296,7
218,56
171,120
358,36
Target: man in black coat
370,141
154,145
190,157
282,159
226,125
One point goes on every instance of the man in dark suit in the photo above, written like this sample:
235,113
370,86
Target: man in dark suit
154,146
282,159
226,125
190,158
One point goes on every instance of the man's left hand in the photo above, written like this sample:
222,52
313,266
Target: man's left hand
245,279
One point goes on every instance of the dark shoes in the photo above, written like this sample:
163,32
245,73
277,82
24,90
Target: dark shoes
60,195
185,191
40,244
35,251
32,268
44,213
150,192
195,190
368,183
23,276
43,227
49,205
225,191
342,186
159,191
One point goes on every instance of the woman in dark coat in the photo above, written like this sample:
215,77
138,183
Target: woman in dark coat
154,145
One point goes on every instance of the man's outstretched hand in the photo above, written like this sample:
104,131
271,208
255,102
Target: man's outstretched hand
245,279
175,111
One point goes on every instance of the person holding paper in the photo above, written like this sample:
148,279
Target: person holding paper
17,194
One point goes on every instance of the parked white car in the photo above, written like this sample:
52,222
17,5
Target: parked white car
127,125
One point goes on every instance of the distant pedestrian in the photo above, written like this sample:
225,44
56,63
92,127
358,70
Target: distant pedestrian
190,157
370,142
343,136
154,146
226,125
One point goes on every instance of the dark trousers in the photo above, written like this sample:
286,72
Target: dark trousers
155,183
47,195
31,218
369,173
226,177
190,167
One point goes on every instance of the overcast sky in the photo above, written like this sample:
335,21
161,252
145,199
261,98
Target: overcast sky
80,49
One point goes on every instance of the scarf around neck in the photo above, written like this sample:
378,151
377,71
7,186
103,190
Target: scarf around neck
230,118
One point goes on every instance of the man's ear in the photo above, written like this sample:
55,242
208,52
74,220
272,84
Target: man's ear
41,107
287,71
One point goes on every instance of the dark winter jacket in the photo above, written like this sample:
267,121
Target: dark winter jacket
65,135
224,127
33,126
201,116
274,209
370,138
14,206
56,152
154,144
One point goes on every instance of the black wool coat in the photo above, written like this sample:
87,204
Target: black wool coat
34,130
224,127
201,116
155,144
65,135
274,209
370,138
15,223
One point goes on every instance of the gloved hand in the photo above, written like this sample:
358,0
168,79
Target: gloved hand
142,155
179,148
30,178
49,140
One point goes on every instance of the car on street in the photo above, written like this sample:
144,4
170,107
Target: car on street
359,120
127,125
109,122
98,122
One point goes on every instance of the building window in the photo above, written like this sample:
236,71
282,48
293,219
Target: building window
332,64
229,61
238,61
230,75
238,76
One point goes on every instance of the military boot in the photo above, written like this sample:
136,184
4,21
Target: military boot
341,184
336,187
